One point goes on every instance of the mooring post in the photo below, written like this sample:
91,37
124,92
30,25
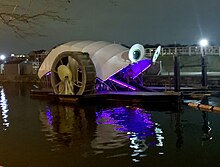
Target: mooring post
204,68
203,43
176,73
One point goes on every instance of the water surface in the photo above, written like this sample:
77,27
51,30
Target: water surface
37,132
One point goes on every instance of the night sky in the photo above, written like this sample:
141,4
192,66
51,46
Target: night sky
125,21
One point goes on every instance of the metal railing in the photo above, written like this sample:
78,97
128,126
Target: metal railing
188,50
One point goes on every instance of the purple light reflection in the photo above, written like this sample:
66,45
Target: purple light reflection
133,123
49,116
131,120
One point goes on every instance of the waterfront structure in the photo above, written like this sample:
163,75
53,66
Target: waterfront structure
37,57
77,66
34,57
18,67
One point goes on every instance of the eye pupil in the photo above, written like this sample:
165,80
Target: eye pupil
136,54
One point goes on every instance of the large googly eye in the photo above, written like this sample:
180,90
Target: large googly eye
136,53
156,54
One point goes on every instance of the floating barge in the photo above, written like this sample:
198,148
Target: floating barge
155,100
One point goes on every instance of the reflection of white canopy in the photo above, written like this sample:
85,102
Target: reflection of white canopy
108,58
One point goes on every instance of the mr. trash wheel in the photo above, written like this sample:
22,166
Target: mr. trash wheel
73,73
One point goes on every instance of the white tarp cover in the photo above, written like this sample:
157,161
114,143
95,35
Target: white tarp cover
107,57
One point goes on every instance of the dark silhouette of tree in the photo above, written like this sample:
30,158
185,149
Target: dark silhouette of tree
23,16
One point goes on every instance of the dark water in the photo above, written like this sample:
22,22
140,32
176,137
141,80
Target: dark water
38,133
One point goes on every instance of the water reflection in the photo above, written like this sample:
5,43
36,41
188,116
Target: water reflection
4,110
64,125
116,128
132,126
206,129
178,130
110,132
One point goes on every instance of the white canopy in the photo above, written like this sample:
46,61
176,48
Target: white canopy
108,58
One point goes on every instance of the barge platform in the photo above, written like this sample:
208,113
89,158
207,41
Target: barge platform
155,100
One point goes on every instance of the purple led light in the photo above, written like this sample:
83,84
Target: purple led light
133,70
137,68
122,83
49,73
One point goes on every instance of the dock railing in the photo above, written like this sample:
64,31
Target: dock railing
187,50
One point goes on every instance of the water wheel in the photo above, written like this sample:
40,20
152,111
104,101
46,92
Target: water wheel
73,73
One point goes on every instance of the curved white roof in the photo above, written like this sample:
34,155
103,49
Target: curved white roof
107,57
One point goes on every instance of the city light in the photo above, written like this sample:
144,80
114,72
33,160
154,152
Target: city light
2,57
203,42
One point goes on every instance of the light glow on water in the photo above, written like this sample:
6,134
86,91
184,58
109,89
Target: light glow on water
133,124
4,110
